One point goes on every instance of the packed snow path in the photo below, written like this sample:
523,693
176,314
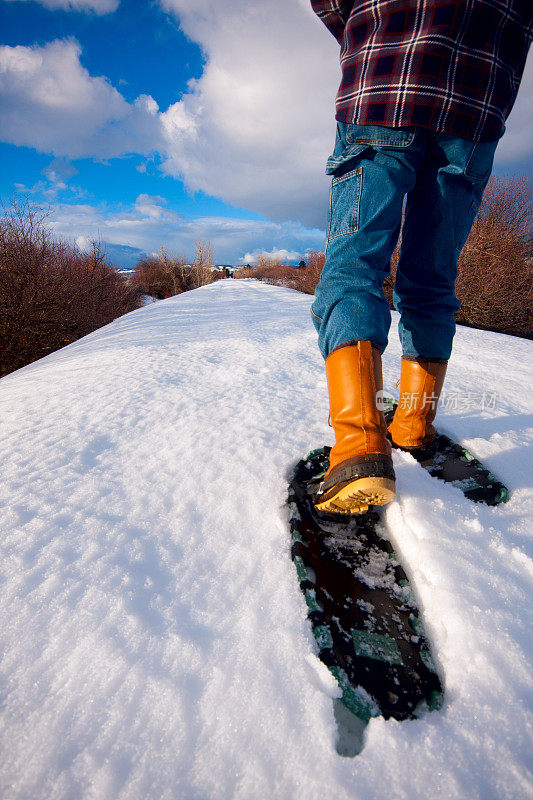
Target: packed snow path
153,639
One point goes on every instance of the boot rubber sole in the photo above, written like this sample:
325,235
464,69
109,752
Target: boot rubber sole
357,496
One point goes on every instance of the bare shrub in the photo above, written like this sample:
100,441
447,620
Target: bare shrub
245,272
308,276
203,259
150,278
495,269
388,283
266,262
268,269
271,270
277,274
50,293
495,278
166,275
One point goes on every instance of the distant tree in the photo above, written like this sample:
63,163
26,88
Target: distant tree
166,275
265,261
204,255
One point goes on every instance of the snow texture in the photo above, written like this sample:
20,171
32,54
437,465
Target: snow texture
154,640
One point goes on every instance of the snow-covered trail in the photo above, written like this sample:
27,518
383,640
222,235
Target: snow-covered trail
153,638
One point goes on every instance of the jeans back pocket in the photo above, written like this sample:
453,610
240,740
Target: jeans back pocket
344,200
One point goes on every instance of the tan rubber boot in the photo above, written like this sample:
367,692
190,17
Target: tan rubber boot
360,472
420,387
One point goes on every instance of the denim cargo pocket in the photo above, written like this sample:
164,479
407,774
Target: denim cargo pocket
479,164
344,199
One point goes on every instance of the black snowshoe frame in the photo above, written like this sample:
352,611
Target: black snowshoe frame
360,605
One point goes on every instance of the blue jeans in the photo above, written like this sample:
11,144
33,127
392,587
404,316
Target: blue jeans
442,178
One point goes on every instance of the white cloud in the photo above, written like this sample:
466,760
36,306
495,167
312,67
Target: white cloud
257,127
98,6
59,171
276,254
57,182
148,225
50,102
150,206
83,243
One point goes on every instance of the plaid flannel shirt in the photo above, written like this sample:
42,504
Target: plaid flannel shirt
447,65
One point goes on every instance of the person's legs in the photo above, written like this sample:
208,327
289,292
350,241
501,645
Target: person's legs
373,169
439,214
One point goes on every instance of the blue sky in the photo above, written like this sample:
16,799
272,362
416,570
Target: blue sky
150,124
140,50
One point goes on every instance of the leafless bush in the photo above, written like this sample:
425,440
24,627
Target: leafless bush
276,275
388,283
266,262
244,272
50,293
495,280
308,276
166,275
271,270
495,269
150,278
204,255
268,269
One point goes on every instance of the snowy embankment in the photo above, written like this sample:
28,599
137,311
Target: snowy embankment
153,638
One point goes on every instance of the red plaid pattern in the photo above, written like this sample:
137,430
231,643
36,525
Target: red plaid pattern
447,65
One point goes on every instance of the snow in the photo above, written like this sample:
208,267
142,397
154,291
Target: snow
154,641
